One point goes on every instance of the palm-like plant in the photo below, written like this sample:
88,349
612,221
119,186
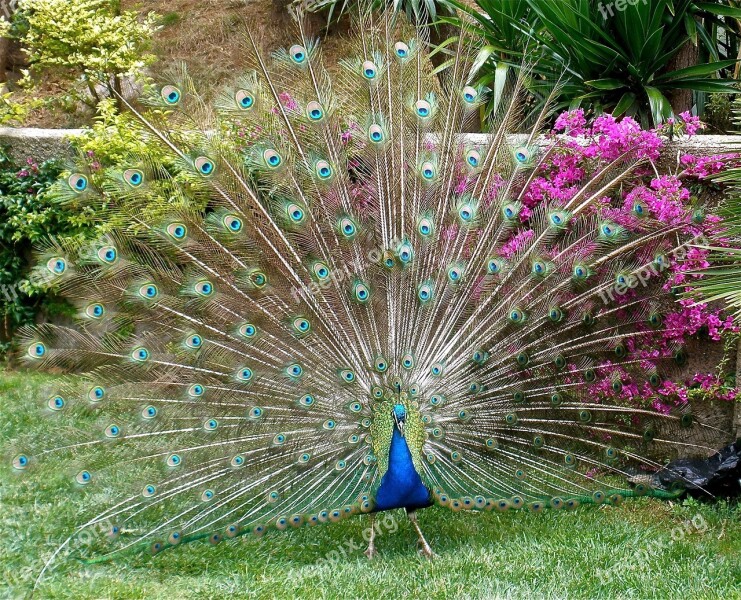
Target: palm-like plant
612,60
721,281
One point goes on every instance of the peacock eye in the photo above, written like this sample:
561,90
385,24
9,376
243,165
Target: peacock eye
511,210
244,99
134,177
473,158
272,158
232,223
494,266
149,291
323,169
380,364
57,265
401,49
78,182
455,274
640,208
425,227
555,314
194,341
177,231
470,94
424,293
466,212
37,350
369,70
423,109
196,390
301,325
297,54
56,403
140,354
204,288
245,374
516,315
522,155
96,394
171,94
320,270
558,218
607,230
314,111
407,361
83,477
204,165
347,375
295,213
428,170
247,330
375,133
361,292
348,227
405,252
107,254
294,371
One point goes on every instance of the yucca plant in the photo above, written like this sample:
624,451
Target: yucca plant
604,57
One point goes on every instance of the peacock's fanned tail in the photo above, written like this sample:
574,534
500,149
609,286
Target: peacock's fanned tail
286,266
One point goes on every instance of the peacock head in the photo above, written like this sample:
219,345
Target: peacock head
400,416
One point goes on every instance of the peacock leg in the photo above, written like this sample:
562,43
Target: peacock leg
424,546
371,551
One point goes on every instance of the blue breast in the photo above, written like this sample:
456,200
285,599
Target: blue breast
401,485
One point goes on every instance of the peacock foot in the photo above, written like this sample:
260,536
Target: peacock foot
371,552
425,550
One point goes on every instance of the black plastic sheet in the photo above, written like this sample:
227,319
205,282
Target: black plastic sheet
719,475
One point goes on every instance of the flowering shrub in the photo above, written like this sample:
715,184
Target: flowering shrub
584,148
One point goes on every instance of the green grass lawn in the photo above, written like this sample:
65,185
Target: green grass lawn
641,549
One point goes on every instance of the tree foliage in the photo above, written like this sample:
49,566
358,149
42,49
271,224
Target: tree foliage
90,39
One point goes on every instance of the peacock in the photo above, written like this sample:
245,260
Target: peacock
315,299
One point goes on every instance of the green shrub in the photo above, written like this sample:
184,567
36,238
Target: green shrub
91,40
28,216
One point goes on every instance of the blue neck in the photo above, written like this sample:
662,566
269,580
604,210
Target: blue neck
401,485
